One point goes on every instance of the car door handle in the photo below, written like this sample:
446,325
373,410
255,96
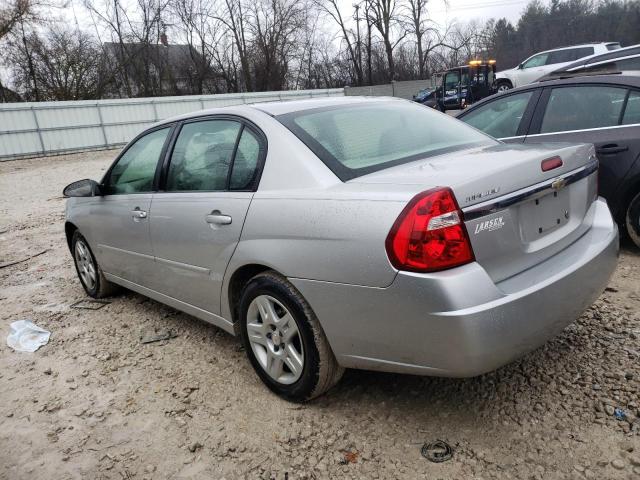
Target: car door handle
137,213
610,149
217,218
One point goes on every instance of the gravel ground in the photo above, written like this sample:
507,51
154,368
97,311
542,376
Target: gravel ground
96,403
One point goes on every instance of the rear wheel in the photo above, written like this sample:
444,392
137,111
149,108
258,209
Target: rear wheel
504,85
632,220
89,272
284,340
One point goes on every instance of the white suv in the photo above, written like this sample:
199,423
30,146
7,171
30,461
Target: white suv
545,62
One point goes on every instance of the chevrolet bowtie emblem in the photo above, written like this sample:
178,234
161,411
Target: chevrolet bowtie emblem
559,184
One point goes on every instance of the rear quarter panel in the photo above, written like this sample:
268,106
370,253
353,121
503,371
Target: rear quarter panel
336,234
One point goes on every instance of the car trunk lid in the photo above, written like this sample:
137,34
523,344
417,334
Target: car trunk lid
516,214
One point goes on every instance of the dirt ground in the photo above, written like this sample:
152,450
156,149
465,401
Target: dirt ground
96,403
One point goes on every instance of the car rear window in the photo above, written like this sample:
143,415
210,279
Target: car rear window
356,139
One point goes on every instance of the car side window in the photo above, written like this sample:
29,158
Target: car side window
501,117
245,163
561,56
582,52
202,156
632,111
136,168
536,61
582,107
451,80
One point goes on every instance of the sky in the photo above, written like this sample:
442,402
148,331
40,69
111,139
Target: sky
441,11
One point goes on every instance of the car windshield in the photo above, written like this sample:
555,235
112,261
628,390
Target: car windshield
356,139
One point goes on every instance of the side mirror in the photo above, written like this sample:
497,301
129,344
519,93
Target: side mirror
82,188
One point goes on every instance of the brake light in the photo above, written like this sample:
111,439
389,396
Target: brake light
551,163
429,235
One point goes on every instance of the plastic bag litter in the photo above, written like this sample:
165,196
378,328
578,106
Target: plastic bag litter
26,336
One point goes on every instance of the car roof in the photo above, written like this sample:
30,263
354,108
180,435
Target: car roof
612,55
591,44
621,80
282,107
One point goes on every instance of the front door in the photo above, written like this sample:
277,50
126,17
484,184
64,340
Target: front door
120,217
594,114
451,86
197,218
532,69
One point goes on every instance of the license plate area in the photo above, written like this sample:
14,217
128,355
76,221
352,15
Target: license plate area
543,215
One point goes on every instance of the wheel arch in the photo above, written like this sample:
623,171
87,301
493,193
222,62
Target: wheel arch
69,230
237,281
630,188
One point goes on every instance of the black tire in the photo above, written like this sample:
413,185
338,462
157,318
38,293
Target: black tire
632,220
503,86
101,287
320,370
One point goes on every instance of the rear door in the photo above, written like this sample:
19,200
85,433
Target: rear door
593,114
207,186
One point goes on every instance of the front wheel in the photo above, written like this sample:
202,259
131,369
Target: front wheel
504,86
632,220
284,340
89,272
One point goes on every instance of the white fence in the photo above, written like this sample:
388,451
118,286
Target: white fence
50,128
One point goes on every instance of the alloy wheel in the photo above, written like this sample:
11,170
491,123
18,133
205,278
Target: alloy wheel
275,339
86,266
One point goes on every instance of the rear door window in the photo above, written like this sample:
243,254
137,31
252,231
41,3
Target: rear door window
245,163
632,111
561,56
501,117
582,52
582,107
202,156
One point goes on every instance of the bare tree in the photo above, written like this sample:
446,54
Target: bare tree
276,26
15,12
62,64
426,33
331,8
386,20
233,14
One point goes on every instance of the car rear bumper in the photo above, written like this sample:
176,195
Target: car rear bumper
459,322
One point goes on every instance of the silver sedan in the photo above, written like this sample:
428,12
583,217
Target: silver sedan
349,233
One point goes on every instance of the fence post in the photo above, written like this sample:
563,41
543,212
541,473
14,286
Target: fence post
201,104
393,88
35,120
104,134
155,110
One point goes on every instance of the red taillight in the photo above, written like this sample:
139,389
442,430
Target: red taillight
551,163
429,234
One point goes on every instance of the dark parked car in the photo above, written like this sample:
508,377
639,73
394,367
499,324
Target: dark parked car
603,110
426,97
